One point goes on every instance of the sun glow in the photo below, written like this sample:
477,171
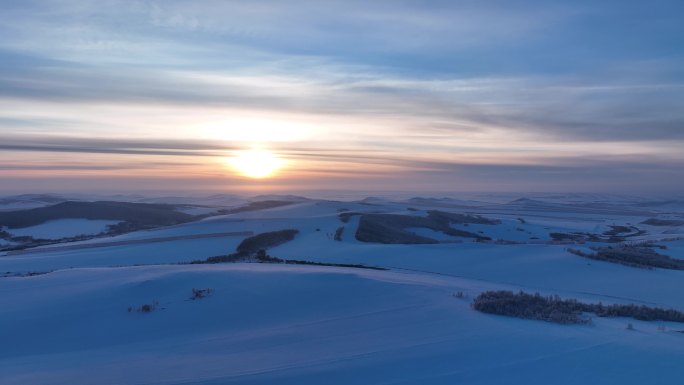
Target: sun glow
256,163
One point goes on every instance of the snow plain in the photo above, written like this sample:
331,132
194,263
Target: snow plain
64,228
291,324
301,325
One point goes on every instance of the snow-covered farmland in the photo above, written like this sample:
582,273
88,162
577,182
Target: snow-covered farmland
64,228
301,325
291,324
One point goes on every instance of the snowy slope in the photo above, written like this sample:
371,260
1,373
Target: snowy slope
289,324
301,325
63,228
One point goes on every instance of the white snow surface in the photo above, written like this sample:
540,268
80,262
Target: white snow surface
64,228
280,324
291,324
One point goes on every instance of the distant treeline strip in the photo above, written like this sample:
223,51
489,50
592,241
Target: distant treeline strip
137,215
253,249
265,258
635,256
129,242
252,245
564,311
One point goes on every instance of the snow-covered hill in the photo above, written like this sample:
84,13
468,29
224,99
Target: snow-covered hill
301,324
268,324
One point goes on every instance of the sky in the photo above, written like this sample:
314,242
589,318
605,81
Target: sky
439,96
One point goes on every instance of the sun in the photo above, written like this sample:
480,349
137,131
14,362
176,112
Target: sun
256,163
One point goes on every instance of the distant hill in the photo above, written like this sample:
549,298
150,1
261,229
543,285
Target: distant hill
444,202
256,206
141,214
43,198
278,197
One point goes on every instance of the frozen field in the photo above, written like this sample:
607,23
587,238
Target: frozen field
64,228
301,325
289,324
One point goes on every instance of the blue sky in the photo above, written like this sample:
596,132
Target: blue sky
382,95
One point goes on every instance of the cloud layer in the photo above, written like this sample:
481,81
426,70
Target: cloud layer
441,95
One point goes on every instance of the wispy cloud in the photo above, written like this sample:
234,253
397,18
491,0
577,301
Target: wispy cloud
441,87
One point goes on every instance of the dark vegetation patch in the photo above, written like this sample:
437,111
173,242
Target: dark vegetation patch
338,233
25,241
653,245
392,228
27,274
617,233
5,235
528,306
576,237
389,229
256,206
132,217
345,216
201,293
266,240
631,255
145,308
139,214
352,265
616,230
262,257
251,247
663,222
456,218
234,257
564,311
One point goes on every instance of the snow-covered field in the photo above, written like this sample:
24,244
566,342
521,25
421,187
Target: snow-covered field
291,324
269,324
64,228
